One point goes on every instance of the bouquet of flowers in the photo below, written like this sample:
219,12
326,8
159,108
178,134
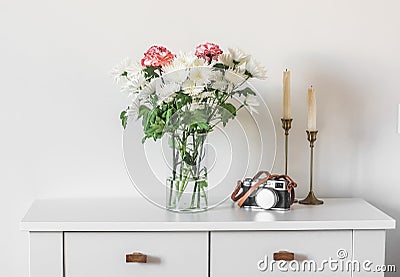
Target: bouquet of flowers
185,96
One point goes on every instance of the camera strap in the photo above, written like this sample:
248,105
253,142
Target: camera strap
241,197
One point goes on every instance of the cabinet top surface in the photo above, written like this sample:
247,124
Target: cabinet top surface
135,214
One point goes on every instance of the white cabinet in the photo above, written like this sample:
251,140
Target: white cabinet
91,237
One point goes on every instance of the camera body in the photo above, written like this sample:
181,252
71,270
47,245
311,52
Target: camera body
271,195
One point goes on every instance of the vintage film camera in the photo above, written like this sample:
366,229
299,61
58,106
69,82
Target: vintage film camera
275,192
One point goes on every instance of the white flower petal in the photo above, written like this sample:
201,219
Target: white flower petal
200,75
251,101
133,110
235,77
184,60
226,59
238,55
219,85
176,75
255,69
125,68
165,92
148,90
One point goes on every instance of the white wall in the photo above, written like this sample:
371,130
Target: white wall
60,134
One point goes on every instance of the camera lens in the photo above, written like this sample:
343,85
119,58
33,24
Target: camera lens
266,198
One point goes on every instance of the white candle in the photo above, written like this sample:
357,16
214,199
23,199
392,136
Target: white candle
286,94
312,110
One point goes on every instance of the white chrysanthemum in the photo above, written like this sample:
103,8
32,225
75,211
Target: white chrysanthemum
251,102
148,90
199,62
216,75
226,59
165,92
206,94
188,83
190,88
129,88
238,55
177,75
183,59
139,81
125,68
200,75
134,70
235,77
134,85
220,85
133,110
120,69
255,69
194,91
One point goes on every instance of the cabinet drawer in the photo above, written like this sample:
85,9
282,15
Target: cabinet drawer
240,253
104,254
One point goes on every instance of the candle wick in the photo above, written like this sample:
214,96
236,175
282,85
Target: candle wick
311,86
286,69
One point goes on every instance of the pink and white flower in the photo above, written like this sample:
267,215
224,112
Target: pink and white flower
157,56
208,51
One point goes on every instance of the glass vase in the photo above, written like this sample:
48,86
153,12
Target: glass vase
186,188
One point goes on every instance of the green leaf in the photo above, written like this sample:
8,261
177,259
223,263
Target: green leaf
122,115
124,118
203,184
227,111
245,92
230,108
203,126
182,100
168,115
220,65
187,158
248,74
143,110
149,72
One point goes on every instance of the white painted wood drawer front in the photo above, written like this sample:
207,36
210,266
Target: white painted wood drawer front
239,253
102,254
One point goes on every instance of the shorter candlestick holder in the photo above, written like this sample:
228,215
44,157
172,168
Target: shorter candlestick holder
286,125
311,199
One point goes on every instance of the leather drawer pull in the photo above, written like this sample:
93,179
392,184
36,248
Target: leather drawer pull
283,256
136,257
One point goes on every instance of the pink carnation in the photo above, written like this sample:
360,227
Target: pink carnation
157,56
208,51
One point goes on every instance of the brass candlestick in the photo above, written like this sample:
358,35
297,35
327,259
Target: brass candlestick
286,125
311,199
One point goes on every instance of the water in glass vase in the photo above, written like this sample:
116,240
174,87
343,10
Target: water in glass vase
186,189
187,195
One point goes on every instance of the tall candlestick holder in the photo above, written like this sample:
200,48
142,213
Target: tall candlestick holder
286,125
311,199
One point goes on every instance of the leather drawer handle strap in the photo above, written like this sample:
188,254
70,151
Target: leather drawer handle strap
283,256
136,257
